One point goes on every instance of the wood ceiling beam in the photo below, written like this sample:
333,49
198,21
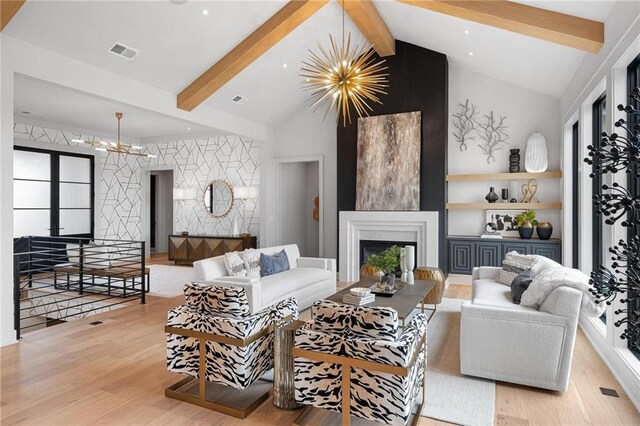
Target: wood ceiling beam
364,14
568,30
8,9
251,48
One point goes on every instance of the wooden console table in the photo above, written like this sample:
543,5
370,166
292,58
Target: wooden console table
186,249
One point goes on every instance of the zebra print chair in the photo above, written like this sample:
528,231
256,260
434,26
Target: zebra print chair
239,347
357,361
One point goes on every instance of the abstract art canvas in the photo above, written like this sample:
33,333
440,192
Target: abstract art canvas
388,169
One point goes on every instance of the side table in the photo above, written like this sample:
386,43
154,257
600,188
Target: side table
435,295
283,377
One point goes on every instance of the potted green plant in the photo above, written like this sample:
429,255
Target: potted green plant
526,221
388,262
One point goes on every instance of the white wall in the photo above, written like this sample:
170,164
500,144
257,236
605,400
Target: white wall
7,333
527,112
303,135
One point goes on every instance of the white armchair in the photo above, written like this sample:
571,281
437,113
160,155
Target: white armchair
308,279
503,341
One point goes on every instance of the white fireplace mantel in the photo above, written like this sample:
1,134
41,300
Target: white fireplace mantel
419,227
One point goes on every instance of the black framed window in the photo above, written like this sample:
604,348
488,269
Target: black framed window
575,198
633,184
599,112
599,116
53,193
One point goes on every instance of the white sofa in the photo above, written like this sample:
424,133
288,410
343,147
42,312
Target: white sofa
503,341
309,279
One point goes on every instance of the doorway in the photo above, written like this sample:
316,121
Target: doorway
298,207
160,210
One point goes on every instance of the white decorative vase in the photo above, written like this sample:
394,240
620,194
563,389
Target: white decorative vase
535,157
410,256
403,265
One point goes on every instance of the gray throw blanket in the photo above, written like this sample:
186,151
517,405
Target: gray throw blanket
550,279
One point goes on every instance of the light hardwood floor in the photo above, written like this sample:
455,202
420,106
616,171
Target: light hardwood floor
114,373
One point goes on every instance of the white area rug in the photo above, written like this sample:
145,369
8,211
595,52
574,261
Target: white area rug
450,396
169,281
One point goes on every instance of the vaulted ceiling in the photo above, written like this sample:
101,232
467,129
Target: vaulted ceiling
177,43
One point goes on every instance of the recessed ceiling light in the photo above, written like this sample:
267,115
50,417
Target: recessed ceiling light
284,65
470,53
466,31
205,12
188,128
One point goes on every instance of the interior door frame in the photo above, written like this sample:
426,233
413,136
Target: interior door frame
146,200
277,163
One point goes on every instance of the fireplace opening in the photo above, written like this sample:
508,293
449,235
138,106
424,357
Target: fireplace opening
369,247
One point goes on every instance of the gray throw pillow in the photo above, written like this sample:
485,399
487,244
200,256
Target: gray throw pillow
519,285
270,265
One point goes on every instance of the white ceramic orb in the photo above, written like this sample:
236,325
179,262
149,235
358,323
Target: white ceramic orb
535,157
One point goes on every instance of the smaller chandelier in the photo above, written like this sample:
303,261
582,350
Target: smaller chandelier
349,74
117,147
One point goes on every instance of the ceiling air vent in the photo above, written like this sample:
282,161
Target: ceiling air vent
123,51
240,100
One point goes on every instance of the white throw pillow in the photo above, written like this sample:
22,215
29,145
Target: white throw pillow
522,260
234,264
252,262
510,270
543,264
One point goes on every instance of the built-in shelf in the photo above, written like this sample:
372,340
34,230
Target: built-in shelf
504,176
504,206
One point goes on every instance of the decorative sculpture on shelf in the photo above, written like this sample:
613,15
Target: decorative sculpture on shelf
618,153
493,134
464,122
529,190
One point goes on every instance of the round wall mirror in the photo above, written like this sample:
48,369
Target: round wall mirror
218,198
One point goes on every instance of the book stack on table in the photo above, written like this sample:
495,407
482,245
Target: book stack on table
358,300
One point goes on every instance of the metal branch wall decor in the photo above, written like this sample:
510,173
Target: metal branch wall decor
465,123
493,134
616,203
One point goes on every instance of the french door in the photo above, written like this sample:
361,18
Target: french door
53,193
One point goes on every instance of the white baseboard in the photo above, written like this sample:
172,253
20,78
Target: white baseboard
458,279
8,338
622,363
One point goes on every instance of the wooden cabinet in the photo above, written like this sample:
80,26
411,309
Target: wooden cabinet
186,249
465,253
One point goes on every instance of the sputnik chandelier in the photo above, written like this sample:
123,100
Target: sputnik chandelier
344,75
117,146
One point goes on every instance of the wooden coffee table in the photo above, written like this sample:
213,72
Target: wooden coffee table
403,302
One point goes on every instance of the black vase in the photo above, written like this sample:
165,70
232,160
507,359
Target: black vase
526,231
514,160
544,230
491,197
